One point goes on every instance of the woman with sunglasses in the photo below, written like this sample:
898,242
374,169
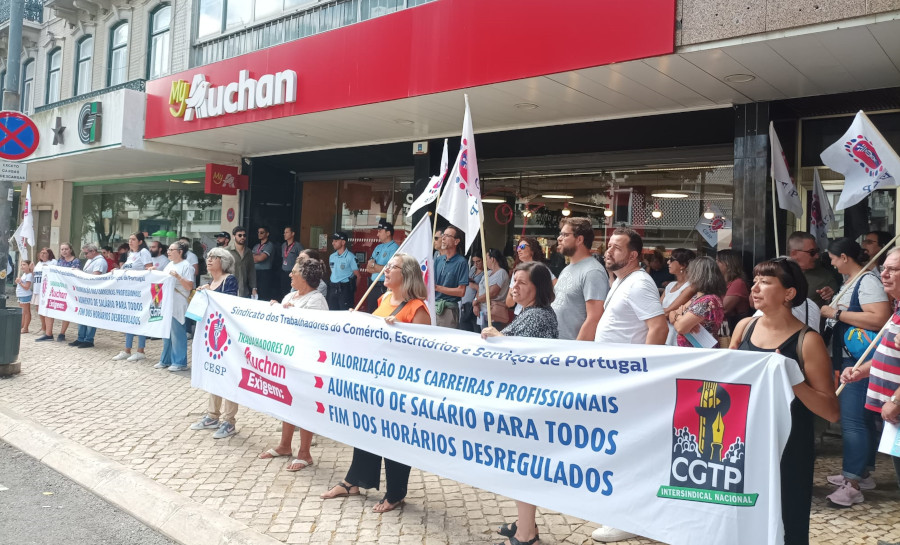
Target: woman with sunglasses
498,284
737,294
679,292
778,286
527,250
861,303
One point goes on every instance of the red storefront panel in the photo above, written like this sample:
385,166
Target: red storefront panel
437,47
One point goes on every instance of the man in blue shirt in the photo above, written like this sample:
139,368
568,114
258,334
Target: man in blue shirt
344,273
380,256
451,276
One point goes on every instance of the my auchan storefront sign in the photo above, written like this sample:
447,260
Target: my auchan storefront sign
433,48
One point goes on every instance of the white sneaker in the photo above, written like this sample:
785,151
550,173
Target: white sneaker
608,534
121,356
137,356
866,483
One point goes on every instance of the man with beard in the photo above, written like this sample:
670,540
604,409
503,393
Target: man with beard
290,251
582,286
158,255
222,239
822,283
633,315
872,243
244,268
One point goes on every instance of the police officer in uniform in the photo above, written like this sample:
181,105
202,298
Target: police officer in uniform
380,256
344,273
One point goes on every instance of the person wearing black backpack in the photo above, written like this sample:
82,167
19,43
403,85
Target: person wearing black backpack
855,315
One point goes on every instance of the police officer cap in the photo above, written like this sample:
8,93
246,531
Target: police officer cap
340,235
386,225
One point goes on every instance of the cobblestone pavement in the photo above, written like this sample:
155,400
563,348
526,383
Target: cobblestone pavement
139,416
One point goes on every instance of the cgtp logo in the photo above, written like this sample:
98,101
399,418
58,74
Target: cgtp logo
216,336
708,444
156,298
863,153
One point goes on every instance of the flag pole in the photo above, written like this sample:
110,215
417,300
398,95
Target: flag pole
484,261
381,272
864,270
775,217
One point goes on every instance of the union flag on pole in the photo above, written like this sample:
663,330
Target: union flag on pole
434,186
865,159
788,198
418,244
461,201
820,213
25,232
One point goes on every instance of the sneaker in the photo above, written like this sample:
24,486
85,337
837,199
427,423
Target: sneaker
61,338
76,344
121,356
846,496
176,368
161,365
137,356
44,338
86,345
206,423
608,534
225,430
866,483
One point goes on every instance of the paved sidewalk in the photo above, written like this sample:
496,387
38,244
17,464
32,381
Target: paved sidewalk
139,417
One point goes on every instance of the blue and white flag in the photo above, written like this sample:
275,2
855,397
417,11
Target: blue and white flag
434,185
788,197
461,201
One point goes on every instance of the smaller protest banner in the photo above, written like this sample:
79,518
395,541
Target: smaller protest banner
138,302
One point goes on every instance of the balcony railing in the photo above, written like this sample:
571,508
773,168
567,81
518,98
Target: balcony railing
134,85
34,11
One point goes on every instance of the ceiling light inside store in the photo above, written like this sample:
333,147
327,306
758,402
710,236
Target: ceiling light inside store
557,196
527,213
493,200
526,106
739,78
565,211
657,213
709,214
608,213
669,195
191,182
404,121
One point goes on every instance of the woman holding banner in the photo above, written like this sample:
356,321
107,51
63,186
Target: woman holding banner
174,354
305,278
778,286
45,259
532,288
67,259
139,258
862,308
403,302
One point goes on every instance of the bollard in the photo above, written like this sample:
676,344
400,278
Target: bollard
10,325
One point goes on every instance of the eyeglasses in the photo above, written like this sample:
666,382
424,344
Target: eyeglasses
671,259
522,246
867,242
564,235
890,270
812,253
390,267
240,235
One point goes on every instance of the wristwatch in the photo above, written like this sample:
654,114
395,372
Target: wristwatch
895,399
837,316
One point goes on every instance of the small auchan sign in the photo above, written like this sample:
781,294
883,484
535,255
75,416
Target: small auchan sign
200,99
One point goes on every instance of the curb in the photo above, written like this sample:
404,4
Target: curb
162,509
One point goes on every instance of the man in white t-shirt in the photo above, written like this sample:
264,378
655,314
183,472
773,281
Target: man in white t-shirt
158,255
633,314
582,286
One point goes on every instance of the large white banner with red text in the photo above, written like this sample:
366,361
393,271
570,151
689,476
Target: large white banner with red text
138,302
668,443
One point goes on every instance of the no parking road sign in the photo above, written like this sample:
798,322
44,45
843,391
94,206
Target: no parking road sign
19,136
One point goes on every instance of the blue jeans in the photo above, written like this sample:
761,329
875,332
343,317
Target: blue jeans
129,340
858,429
175,347
86,334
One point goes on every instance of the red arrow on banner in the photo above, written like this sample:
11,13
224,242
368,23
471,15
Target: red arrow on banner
319,382
322,356
320,408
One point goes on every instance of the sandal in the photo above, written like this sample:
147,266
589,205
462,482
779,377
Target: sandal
298,462
272,453
387,506
513,541
346,487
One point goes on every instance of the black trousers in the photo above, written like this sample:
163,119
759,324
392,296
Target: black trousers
340,296
372,299
284,283
797,468
267,284
365,472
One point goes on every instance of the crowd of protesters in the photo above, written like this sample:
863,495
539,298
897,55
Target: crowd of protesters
817,306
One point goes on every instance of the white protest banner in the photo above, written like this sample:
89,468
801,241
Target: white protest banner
712,230
669,443
788,198
138,302
890,440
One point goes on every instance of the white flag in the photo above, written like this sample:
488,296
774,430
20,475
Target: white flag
865,159
418,244
461,201
820,212
434,185
788,198
25,232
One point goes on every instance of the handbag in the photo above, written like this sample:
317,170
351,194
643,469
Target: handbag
856,340
724,335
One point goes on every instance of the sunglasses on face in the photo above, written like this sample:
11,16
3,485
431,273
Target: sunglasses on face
521,246
813,253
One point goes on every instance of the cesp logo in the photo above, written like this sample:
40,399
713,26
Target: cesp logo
709,435
178,96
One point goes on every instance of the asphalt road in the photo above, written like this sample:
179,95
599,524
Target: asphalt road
38,506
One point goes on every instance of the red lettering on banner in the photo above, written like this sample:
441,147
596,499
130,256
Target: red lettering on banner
53,304
252,382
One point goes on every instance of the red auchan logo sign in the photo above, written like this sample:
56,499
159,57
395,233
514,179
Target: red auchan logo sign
200,99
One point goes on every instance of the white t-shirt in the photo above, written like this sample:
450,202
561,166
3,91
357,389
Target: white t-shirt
870,291
138,260
807,312
159,262
630,302
669,296
96,265
191,258
313,300
185,270
22,292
